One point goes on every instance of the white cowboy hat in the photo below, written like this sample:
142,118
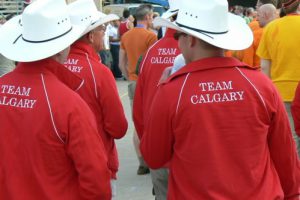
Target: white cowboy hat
43,30
173,9
82,11
211,22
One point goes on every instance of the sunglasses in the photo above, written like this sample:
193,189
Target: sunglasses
177,35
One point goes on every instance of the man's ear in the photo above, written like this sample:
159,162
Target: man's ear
192,41
90,37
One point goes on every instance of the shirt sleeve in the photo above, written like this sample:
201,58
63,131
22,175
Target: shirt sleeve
85,148
296,110
157,141
137,110
248,57
283,151
152,40
114,120
263,51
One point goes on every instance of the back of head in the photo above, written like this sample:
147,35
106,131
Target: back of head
250,11
142,11
126,13
239,10
266,13
262,2
290,6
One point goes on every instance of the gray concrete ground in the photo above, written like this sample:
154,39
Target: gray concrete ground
130,186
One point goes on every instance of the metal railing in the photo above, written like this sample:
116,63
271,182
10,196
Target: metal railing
8,7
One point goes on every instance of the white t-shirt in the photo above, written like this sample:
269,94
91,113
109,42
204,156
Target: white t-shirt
114,33
106,37
179,62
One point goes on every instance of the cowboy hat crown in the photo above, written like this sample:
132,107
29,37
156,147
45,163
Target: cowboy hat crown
57,23
210,16
85,12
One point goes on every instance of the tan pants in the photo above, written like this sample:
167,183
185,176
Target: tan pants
159,179
295,136
136,140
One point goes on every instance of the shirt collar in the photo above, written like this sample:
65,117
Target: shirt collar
170,32
49,65
140,26
83,47
208,63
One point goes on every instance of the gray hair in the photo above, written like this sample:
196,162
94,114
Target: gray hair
142,11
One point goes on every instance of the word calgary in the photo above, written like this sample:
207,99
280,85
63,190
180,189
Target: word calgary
15,96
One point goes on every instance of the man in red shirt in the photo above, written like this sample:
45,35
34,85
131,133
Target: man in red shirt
126,24
99,90
160,56
220,124
49,146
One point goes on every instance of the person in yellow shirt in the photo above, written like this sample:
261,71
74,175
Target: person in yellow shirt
280,55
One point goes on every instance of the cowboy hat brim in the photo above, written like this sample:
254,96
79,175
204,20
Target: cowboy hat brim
16,48
238,37
169,13
101,19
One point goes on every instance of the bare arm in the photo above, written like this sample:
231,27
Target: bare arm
123,63
265,66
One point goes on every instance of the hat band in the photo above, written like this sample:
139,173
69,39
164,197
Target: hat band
173,11
202,31
41,41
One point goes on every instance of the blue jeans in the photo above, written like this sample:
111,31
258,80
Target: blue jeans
114,49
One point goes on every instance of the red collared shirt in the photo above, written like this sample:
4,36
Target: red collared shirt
225,132
157,58
49,146
101,94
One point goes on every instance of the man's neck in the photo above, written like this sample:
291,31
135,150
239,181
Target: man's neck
207,54
142,24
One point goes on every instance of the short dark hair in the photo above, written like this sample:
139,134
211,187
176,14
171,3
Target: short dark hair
126,13
274,2
142,11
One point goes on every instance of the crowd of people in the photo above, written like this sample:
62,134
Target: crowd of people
214,92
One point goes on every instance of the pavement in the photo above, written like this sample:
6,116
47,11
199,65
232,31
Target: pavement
130,186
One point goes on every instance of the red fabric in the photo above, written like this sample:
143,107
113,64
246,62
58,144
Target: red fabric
296,110
157,58
123,28
100,93
238,148
44,156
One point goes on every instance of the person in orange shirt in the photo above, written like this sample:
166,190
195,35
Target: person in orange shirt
265,14
135,43
254,25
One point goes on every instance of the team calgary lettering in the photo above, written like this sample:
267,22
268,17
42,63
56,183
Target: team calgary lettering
217,92
72,65
19,100
165,56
